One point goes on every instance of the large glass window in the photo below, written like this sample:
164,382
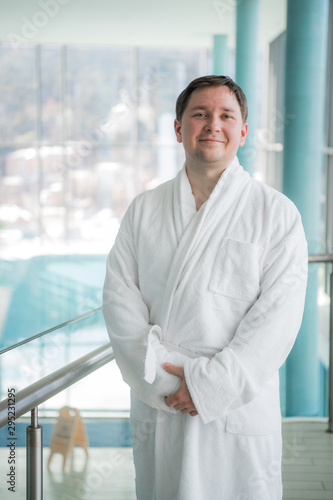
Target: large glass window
83,129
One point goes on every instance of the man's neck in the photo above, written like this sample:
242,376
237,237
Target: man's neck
203,182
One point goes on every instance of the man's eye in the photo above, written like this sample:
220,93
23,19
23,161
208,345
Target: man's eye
226,116
199,114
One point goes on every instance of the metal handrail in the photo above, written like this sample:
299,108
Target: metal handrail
321,258
35,394
57,327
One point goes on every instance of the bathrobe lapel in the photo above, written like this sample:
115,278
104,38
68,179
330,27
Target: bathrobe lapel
194,228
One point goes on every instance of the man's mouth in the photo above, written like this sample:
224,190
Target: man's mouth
211,140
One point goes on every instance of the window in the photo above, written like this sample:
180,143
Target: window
83,130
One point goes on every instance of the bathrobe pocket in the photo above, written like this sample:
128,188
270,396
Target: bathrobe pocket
236,270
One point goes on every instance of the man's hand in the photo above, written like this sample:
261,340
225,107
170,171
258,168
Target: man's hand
180,400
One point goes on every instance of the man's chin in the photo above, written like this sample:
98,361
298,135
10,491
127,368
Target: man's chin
215,161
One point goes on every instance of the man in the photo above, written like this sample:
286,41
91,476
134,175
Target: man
203,299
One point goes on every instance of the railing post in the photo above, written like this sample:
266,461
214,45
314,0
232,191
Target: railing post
330,378
34,458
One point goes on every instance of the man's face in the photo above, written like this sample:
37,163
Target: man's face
211,128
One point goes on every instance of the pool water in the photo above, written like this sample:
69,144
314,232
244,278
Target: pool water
44,291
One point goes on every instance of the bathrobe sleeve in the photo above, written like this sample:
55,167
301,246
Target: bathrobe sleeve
264,337
135,342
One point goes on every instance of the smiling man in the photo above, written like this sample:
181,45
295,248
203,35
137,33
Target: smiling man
211,128
203,299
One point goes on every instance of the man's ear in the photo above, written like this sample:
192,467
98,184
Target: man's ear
243,134
178,131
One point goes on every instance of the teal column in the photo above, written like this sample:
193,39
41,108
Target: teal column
246,73
220,55
306,49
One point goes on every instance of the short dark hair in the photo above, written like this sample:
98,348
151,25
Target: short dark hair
214,81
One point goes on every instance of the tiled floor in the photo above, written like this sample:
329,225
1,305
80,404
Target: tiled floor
109,473
307,461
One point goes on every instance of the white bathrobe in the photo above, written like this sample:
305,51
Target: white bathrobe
219,291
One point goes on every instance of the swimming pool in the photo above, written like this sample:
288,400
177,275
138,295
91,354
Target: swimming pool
47,290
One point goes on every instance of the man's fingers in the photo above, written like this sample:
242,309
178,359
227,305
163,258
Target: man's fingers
181,399
174,370
189,410
178,400
183,407
172,400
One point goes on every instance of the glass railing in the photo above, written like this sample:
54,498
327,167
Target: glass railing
32,359
36,372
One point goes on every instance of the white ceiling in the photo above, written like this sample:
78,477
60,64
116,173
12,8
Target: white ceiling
131,22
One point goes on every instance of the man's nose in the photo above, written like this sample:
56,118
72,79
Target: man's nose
213,124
